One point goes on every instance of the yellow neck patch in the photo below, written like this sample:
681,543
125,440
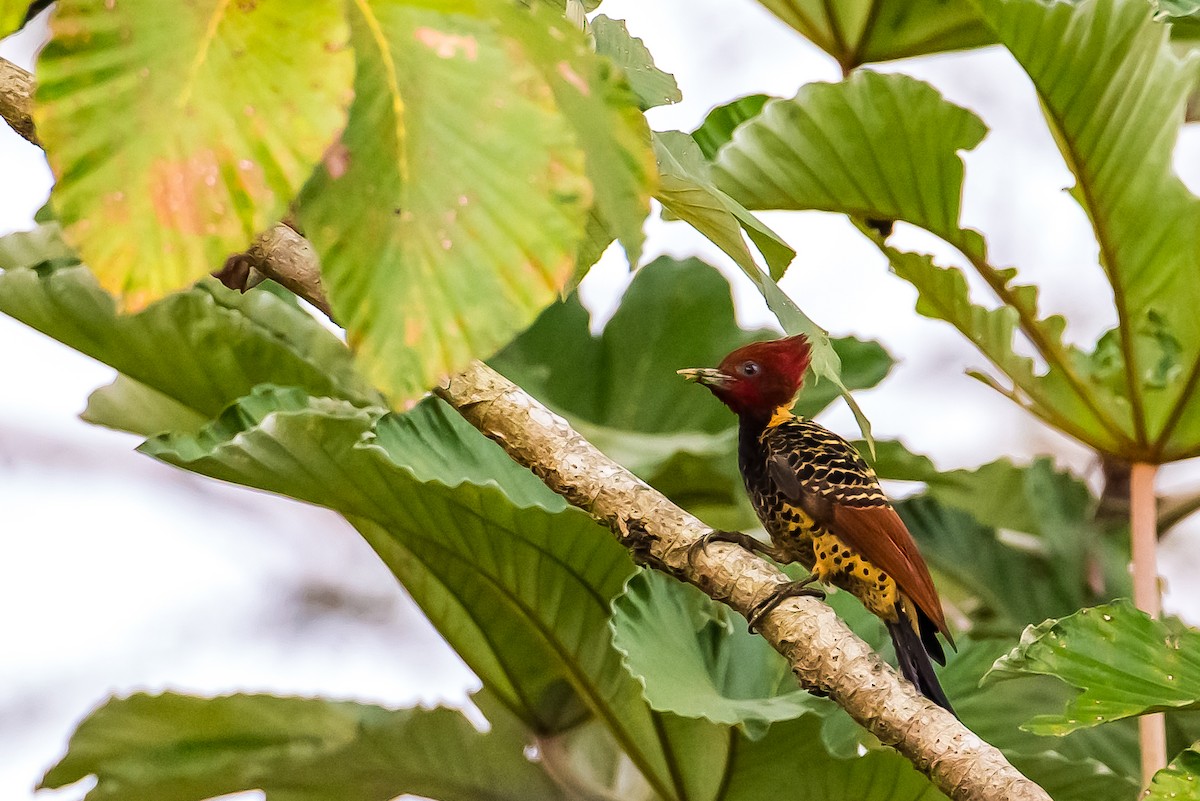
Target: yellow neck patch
781,415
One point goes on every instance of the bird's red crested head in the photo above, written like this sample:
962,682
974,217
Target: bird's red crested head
758,378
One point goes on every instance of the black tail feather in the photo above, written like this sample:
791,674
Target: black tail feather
929,638
915,664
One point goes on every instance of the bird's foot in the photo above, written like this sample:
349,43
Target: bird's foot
792,589
735,537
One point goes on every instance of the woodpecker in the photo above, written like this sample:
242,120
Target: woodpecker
823,507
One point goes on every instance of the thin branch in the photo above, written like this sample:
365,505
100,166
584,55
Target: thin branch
823,653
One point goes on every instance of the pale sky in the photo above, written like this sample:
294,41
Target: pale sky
120,574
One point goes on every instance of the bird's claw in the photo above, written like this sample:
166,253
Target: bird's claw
792,589
717,535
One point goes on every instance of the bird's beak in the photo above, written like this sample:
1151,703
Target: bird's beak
707,376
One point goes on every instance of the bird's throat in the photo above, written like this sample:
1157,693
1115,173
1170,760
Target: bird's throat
779,416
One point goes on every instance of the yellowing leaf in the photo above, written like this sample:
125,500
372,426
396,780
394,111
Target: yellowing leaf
179,131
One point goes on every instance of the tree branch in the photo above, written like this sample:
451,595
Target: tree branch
823,653
16,99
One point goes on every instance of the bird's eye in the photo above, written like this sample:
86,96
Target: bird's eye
749,369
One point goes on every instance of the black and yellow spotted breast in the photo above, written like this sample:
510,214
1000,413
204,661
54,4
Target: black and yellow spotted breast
796,472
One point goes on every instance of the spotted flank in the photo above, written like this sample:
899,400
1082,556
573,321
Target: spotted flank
824,466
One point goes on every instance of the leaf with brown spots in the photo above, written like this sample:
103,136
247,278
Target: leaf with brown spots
452,211
178,131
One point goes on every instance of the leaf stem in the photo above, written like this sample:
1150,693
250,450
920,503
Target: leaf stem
1152,732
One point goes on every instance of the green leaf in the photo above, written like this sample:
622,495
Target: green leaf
450,212
1176,8
604,115
1125,663
1088,765
994,493
42,247
1068,395
1097,66
174,747
129,405
202,348
717,128
652,86
435,443
981,526
625,377
687,192
982,564
521,592
1076,778
1179,781
696,659
12,15
209,128
793,756
858,32
834,147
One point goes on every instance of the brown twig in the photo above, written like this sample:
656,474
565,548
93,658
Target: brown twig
824,654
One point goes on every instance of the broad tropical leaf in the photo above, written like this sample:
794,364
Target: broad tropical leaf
603,113
177,133
695,658
1098,66
974,556
174,747
202,348
826,149
1125,662
516,581
41,247
129,405
792,756
450,212
1179,781
718,126
858,32
687,192
674,314
12,14
1103,760
652,86
981,527
833,147
999,494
